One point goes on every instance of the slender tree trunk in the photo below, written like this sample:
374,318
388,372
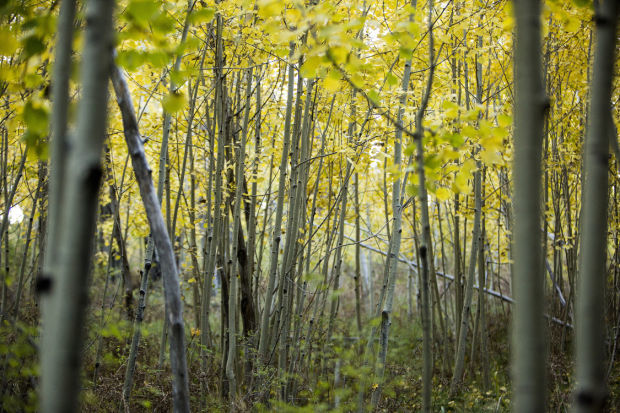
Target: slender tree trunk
232,299
275,243
459,363
58,149
22,266
174,307
591,392
62,334
426,247
528,350
216,226
397,210
358,248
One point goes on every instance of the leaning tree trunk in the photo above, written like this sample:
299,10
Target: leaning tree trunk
591,387
62,331
528,338
174,305
150,254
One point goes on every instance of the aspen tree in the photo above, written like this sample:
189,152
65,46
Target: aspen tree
174,304
474,260
426,245
277,229
459,363
394,248
216,226
528,338
28,239
151,249
591,392
232,300
62,335
58,140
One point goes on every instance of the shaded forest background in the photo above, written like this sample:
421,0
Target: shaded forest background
309,206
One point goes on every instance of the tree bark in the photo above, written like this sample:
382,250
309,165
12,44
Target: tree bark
591,392
528,337
174,305
62,331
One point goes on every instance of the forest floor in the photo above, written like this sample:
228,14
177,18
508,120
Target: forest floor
317,391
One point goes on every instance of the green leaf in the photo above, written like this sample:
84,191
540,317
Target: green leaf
456,140
130,59
36,117
201,16
32,45
36,145
405,53
178,77
141,11
190,44
157,59
432,161
373,95
33,80
162,24
391,79
409,149
412,190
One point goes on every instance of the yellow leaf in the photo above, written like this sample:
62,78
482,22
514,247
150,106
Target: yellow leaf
504,121
310,67
338,54
508,24
490,157
492,142
572,24
331,85
270,8
443,194
461,182
469,166
451,109
293,16
469,131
